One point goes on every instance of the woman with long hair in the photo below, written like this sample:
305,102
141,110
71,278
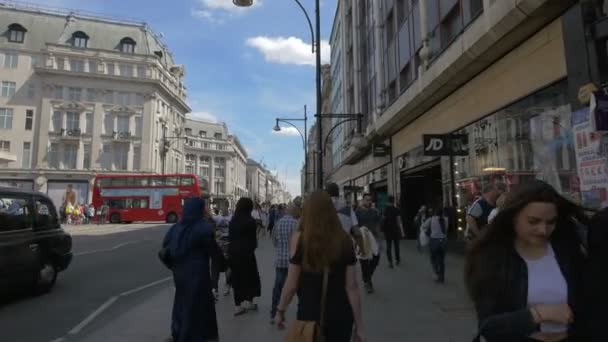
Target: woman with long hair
191,244
245,278
320,246
436,228
525,272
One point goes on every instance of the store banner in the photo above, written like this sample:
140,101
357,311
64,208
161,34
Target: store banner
591,165
445,144
57,192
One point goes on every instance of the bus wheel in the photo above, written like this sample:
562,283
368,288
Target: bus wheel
115,218
172,218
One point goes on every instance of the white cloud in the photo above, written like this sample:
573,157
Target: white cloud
287,131
217,11
205,116
290,50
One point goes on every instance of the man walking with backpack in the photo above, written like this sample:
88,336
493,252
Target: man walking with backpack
392,228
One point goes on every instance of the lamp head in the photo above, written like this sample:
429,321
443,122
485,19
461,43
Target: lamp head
277,128
242,3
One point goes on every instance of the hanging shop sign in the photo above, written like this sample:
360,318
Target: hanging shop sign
438,145
381,150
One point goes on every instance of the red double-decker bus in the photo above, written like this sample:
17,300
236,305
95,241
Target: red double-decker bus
145,197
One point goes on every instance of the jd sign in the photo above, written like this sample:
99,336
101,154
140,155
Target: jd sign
446,144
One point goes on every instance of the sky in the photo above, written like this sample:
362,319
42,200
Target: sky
244,66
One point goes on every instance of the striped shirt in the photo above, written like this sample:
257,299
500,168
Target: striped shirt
281,236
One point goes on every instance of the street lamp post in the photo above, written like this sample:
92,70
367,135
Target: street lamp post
316,47
304,136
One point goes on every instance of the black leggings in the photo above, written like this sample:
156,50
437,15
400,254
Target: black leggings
339,330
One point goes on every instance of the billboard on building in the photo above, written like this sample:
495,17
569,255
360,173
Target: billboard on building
56,190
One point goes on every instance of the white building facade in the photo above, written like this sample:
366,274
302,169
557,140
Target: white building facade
83,95
219,158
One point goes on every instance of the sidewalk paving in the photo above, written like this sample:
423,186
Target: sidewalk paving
407,306
97,229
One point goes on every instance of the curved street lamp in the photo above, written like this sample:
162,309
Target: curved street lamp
316,48
277,128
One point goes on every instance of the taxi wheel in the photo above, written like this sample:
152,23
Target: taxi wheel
46,278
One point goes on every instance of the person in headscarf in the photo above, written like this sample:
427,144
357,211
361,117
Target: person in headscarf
241,257
191,244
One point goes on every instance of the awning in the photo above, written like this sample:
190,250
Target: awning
7,157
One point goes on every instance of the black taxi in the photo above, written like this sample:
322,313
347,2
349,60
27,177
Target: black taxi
33,246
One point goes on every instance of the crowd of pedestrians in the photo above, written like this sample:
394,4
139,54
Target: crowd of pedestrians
535,263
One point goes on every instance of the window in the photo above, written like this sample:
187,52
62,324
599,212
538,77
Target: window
202,134
390,27
77,65
121,156
74,94
93,66
34,61
11,60
46,215
70,153
189,169
218,135
123,98
127,45
58,93
29,119
220,172
136,157
5,146
15,214
108,123
203,171
188,131
106,157
139,99
72,121
220,187
80,39
60,63
138,126
109,98
123,124
126,70
141,72
405,77
6,118
31,91
53,155
8,88
86,159
27,155
91,97
111,69
89,123
451,26
220,160
16,33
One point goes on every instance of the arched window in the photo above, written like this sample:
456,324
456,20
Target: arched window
80,39
16,33
127,45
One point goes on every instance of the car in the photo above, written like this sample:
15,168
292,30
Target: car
34,248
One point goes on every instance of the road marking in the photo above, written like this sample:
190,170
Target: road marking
92,316
77,329
109,249
141,288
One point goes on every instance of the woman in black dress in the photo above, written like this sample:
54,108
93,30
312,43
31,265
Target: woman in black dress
322,244
241,257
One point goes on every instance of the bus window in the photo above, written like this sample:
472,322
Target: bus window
119,181
172,181
156,181
131,181
187,180
141,181
104,182
143,203
117,204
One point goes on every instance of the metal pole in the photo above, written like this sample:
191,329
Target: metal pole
163,151
319,97
305,151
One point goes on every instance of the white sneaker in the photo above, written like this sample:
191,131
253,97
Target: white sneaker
215,295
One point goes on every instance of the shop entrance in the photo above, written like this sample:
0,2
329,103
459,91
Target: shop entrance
418,188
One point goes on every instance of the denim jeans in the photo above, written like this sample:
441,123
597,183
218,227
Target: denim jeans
437,248
279,282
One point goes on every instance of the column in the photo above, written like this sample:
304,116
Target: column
96,143
211,174
80,155
379,66
43,134
148,124
130,157
425,51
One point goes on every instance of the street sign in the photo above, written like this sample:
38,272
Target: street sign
381,150
438,145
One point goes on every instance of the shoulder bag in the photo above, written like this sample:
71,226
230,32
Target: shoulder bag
310,331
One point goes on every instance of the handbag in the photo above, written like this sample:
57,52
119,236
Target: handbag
310,331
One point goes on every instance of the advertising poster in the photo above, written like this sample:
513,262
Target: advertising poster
592,166
57,191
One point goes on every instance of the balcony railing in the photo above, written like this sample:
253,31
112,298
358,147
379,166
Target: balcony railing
74,133
122,136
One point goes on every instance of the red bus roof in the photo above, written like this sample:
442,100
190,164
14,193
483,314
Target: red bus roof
145,175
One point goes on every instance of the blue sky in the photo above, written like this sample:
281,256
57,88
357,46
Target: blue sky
243,66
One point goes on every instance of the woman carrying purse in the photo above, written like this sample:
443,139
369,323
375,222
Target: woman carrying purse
321,252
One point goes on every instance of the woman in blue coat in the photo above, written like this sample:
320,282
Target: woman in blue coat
191,244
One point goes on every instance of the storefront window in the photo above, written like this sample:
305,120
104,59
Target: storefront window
530,139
